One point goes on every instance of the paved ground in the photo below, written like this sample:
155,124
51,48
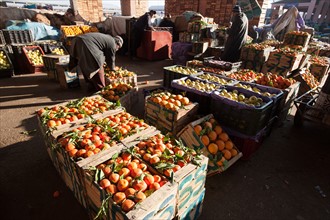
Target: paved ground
287,178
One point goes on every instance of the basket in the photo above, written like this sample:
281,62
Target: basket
246,119
18,36
170,75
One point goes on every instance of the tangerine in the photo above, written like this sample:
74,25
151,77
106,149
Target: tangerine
221,144
224,136
119,197
213,148
198,129
233,152
229,145
226,153
205,140
212,135
112,189
122,185
218,129
127,205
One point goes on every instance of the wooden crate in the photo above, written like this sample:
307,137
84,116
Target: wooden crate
192,140
251,54
132,80
280,60
190,179
130,99
168,120
64,127
159,205
319,71
192,210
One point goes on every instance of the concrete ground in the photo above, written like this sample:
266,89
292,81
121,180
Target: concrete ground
287,178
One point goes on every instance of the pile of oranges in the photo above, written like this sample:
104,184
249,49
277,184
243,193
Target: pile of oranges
118,73
114,91
90,139
128,180
216,141
170,101
163,154
74,110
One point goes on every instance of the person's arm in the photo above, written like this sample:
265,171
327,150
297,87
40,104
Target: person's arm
150,24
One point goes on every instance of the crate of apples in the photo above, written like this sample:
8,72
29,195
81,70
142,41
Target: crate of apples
205,135
245,75
130,187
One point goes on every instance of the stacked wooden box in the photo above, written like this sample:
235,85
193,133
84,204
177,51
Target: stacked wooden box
254,56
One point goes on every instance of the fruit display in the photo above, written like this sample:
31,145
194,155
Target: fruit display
115,91
212,70
70,31
256,46
254,89
218,146
169,100
86,141
73,111
276,81
272,43
198,85
58,51
237,96
122,125
127,180
310,79
88,29
35,57
195,63
164,154
287,51
90,139
119,73
216,79
245,75
321,61
183,70
4,61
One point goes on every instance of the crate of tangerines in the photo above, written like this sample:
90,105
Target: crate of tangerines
119,75
120,186
205,135
169,112
122,92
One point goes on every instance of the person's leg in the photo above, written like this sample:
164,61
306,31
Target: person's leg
98,79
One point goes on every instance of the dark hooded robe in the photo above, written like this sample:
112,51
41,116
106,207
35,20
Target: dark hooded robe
237,36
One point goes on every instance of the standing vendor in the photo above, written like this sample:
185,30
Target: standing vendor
142,23
90,51
237,36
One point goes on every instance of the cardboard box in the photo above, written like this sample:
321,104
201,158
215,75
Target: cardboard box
66,78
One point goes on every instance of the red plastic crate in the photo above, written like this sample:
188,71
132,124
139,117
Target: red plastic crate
30,67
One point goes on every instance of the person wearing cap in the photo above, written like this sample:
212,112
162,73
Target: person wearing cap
237,36
90,51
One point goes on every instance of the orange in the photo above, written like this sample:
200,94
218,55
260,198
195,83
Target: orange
112,189
129,192
140,185
212,120
226,154
122,185
119,197
205,140
221,144
218,129
224,136
208,124
139,196
229,145
149,179
155,186
185,101
104,183
154,160
213,148
136,172
114,177
132,165
198,129
212,135
233,152
124,172
127,205
177,103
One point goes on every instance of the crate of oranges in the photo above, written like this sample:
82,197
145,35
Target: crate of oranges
205,135
169,112
120,186
177,162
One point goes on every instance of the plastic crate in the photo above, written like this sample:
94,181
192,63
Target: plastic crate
240,117
170,75
276,98
59,46
6,71
201,97
18,36
227,81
